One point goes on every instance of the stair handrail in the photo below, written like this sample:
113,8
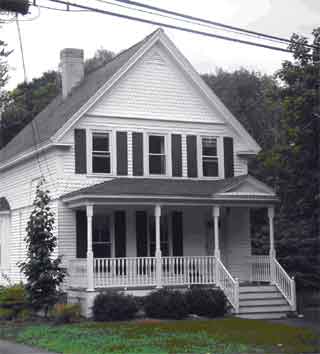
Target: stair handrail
283,282
228,284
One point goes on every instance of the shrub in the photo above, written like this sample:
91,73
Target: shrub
66,313
7,314
165,303
206,302
14,295
13,302
114,306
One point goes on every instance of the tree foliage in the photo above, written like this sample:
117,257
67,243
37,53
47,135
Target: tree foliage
42,271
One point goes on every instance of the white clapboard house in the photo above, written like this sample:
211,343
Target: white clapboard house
148,176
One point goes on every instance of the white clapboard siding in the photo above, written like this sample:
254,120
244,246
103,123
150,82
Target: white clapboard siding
67,233
156,85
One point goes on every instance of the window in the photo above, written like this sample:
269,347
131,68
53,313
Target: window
164,236
157,155
101,159
209,157
101,236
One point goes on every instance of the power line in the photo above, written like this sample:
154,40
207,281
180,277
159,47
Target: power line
193,22
152,22
238,29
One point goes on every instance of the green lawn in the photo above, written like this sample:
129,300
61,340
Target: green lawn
221,336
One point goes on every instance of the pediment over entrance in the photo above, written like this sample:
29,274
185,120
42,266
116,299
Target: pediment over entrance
248,186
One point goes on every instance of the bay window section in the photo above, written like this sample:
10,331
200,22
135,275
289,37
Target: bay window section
101,155
210,166
157,155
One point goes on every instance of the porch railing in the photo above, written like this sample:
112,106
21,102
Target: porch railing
228,284
283,282
188,270
124,272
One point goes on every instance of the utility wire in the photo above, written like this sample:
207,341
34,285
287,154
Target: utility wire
152,22
193,22
238,29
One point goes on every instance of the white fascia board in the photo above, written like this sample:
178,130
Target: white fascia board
106,87
31,153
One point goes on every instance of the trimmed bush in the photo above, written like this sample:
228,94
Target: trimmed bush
6,314
66,313
206,302
166,304
114,306
13,302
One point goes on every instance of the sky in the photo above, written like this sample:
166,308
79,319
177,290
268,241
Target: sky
50,31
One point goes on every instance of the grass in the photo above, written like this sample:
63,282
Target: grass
223,336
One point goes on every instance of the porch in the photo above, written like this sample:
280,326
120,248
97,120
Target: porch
157,242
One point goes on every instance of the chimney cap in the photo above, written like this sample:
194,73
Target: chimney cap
72,52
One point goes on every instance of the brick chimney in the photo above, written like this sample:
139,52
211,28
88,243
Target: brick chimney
72,69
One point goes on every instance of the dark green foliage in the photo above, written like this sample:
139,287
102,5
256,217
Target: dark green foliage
165,303
66,313
42,271
206,302
16,6
114,306
13,302
26,101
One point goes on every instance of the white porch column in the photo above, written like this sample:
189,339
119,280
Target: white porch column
157,215
272,251
90,275
216,215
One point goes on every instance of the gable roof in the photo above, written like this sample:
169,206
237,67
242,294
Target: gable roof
57,113
50,124
166,188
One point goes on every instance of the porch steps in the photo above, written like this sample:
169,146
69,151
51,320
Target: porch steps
262,302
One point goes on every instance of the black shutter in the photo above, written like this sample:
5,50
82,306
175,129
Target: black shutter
177,234
81,233
137,154
122,154
142,234
176,155
120,233
228,157
192,156
80,151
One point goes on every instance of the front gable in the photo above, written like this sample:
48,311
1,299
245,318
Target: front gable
156,88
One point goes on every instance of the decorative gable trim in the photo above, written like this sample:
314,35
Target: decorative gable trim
214,101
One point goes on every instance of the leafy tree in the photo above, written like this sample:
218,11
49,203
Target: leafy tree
100,58
292,165
42,271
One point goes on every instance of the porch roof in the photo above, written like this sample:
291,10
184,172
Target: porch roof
240,188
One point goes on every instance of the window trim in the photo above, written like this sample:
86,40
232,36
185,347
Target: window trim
90,134
201,156
166,154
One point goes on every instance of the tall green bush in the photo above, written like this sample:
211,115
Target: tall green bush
43,272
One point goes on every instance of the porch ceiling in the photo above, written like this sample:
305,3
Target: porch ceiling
175,190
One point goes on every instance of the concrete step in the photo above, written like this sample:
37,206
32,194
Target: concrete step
268,295
263,302
257,289
263,316
265,309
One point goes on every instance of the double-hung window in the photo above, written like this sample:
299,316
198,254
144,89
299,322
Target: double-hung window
101,155
210,166
157,155
101,236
